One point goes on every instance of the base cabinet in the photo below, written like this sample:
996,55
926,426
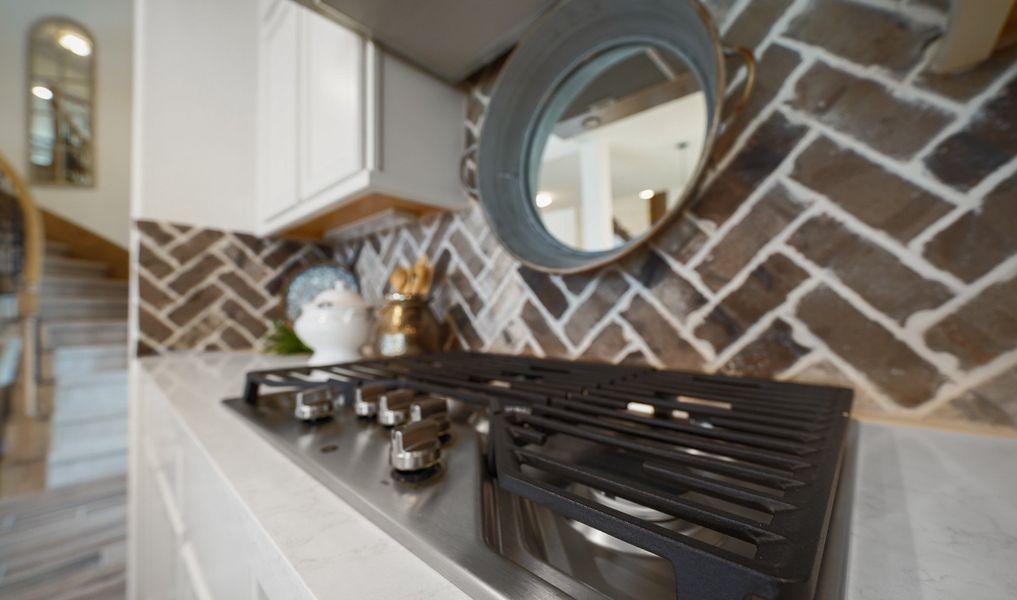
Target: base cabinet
191,537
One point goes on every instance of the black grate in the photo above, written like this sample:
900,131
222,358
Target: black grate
653,458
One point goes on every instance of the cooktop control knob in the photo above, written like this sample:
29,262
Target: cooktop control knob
394,407
314,404
415,447
435,409
365,402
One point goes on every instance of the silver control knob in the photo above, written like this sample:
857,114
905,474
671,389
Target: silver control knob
394,407
435,409
314,404
415,446
365,403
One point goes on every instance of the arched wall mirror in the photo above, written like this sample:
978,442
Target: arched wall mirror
61,104
599,127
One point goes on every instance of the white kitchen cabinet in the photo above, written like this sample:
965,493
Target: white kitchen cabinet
192,538
341,122
278,112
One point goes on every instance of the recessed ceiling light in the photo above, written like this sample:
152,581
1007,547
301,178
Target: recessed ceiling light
647,194
40,91
75,43
544,199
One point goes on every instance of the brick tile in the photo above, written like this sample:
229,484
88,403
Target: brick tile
464,249
757,159
143,349
155,232
885,360
765,289
198,244
254,244
196,274
444,222
278,253
970,83
610,289
462,284
774,211
866,190
867,111
194,304
150,262
980,330
988,142
252,296
773,69
774,351
673,291
660,336
152,327
877,275
979,240
150,294
754,22
244,319
863,34
607,345
990,403
577,282
635,358
545,291
465,328
681,240
233,339
541,331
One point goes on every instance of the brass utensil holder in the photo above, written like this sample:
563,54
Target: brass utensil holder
406,326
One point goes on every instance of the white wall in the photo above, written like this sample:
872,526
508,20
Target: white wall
104,208
194,112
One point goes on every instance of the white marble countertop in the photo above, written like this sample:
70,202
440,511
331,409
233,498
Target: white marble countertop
932,515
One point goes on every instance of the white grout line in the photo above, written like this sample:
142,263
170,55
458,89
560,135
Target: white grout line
774,246
753,333
879,238
749,204
684,332
969,111
804,336
913,173
878,75
946,364
921,322
974,378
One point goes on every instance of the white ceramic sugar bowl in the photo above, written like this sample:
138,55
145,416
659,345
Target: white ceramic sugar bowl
335,325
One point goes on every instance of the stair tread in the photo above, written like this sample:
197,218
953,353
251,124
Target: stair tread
63,278
83,322
84,300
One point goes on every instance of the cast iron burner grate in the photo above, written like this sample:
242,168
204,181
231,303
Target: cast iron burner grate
615,447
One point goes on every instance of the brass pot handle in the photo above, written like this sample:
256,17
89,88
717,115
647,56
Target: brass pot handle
750,82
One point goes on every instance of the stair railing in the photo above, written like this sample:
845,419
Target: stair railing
26,392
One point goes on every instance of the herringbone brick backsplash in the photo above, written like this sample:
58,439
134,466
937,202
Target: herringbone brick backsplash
859,228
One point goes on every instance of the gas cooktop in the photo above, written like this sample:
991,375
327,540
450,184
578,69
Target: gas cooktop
518,477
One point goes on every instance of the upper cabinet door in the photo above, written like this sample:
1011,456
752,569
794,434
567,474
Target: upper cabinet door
332,127
279,109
